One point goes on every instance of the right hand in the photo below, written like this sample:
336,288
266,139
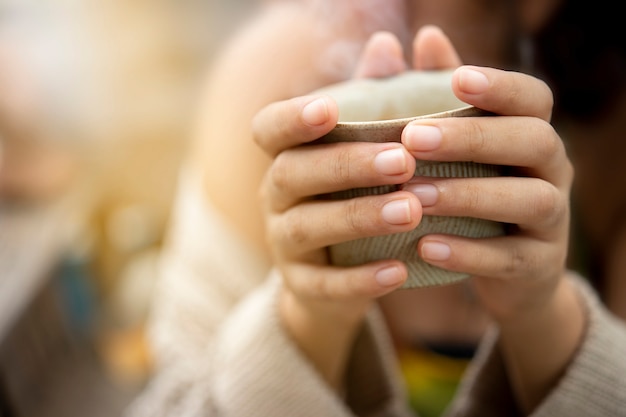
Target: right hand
322,305
300,226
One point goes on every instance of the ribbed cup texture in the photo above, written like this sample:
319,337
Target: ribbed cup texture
377,110
403,246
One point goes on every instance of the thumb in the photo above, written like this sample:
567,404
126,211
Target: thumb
433,50
381,57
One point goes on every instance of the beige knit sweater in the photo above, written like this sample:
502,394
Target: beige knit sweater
222,352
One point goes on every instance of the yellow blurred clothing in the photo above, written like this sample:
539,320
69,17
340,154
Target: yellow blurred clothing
431,377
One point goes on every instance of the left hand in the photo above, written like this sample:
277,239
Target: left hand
519,271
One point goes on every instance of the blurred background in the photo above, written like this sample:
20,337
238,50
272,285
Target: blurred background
96,103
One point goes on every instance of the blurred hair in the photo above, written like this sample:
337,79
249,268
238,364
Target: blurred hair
581,53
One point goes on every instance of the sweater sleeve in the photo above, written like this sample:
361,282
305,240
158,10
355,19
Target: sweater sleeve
259,371
220,347
594,383
251,368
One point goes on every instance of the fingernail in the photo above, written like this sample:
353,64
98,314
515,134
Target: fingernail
422,137
472,81
315,113
397,212
390,162
426,193
389,277
435,251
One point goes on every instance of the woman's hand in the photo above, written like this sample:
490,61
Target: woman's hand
519,278
516,272
322,305
300,225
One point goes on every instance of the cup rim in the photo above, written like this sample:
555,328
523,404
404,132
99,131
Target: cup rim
463,111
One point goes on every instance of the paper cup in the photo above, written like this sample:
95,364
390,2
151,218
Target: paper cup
377,110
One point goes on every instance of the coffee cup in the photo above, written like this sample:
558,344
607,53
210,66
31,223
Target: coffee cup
377,110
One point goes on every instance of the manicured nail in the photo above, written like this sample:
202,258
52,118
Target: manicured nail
472,81
426,193
390,162
389,277
315,113
436,251
397,212
422,138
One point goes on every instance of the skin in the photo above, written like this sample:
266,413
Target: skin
519,280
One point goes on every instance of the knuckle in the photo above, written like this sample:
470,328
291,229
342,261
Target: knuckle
477,137
341,166
294,231
551,144
517,260
284,233
318,287
548,205
354,217
514,94
473,198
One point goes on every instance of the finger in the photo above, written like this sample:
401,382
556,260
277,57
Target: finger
507,257
282,125
331,282
503,92
382,57
308,171
532,204
433,50
526,142
316,224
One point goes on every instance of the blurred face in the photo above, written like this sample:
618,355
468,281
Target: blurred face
485,32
